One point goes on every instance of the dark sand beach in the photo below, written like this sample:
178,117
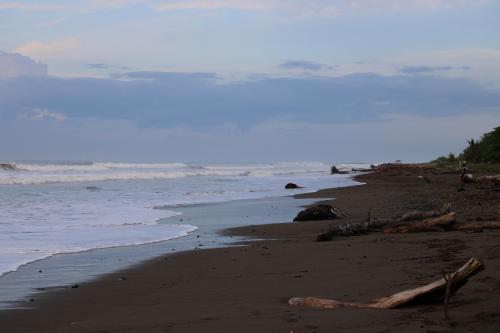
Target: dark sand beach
246,288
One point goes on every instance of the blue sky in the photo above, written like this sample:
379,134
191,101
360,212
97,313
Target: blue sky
218,80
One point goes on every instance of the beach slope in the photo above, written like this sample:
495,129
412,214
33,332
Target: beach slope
246,288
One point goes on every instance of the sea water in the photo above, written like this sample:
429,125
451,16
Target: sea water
53,208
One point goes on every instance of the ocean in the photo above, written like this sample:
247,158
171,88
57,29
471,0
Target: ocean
53,208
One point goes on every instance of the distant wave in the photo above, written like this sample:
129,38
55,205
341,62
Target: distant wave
94,166
27,173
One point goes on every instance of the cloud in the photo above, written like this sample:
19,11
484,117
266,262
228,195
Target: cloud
479,65
246,5
200,100
176,77
48,50
305,65
315,7
31,6
482,65
99,66
12,65
44,114
430,69
113,70
193,116
406,138
301,8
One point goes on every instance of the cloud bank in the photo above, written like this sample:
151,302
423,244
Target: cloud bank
164,99
13,65
286,7
161,116
407,138
314,7
305,65
48,50
430,69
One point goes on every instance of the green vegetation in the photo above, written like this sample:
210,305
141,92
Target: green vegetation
481,155
486,150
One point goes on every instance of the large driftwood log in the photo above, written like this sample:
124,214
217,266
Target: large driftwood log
488,178
351,229
477,226
420,215
415,221
409,219
439,223
430,292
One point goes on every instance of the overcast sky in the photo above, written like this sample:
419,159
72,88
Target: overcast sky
241,80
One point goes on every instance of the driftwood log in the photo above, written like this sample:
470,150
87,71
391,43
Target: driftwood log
420,215
439,223
442,223
477,226
373,225
414,221
435,291
351,229
488,178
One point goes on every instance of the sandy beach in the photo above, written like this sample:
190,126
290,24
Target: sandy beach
246,288
249,166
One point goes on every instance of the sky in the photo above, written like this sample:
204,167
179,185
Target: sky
246,81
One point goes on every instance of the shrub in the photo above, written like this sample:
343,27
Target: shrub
485,150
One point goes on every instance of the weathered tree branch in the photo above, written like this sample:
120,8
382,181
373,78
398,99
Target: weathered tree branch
475,226
432,224
351,229
430,292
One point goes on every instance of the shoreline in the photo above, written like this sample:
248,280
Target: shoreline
14,265
99,262
246,288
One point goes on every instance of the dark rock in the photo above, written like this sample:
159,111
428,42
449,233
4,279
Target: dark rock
320,212
335,171
93,188
74,286
291,186
8,166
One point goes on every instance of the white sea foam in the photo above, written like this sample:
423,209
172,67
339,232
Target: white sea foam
47,209
93,172
18,253
37,226
94,166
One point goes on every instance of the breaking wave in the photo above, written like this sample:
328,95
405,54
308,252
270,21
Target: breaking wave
24,173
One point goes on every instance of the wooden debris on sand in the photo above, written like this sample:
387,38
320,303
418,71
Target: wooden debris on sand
477,226
428,223
435,291
415,221
488,178
420,214
440,223
351,229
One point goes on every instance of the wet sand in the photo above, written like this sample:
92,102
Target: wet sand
245,289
